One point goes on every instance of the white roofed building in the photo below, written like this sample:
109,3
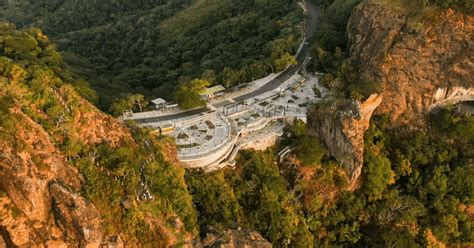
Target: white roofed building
159,103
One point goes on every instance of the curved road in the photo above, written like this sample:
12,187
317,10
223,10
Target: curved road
310,30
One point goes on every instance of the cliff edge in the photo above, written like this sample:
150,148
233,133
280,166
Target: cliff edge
72,176
341,124
421,60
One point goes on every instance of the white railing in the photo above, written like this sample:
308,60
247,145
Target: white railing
206,153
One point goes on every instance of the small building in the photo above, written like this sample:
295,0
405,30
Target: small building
159,103
212,92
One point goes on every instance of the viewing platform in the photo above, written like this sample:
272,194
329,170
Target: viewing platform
210,138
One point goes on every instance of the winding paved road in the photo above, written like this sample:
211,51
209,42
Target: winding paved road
310,23
310,30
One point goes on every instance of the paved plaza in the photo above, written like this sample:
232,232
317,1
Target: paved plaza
202,137
211,140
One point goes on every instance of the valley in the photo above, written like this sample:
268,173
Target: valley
253,123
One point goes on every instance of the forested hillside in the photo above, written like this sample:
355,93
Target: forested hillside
149,47
417,190
73,176
78,174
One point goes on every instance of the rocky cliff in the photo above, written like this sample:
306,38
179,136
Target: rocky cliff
234,238
421,58
41,201
55,186
341,124
40,205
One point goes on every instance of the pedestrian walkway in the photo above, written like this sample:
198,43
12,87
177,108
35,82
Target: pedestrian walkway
211,140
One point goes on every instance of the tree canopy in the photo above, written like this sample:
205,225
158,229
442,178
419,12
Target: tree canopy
188,94
151,47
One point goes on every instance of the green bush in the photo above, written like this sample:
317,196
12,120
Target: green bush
214,199
308,149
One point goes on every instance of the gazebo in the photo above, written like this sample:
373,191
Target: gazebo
159,103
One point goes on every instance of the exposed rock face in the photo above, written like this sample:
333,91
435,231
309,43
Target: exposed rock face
40,191
342,125
106,128
420,63
418,60
40,206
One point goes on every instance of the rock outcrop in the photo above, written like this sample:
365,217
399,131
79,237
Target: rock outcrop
453,95
417,60
421,61
59,186
41,192
341,124
41,206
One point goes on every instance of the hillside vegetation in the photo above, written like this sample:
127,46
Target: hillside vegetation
149,47
131,178
73,176
417,190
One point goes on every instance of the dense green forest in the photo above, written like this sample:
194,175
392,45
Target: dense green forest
417,190
150,47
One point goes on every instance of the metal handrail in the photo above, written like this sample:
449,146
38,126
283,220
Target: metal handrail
218,147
